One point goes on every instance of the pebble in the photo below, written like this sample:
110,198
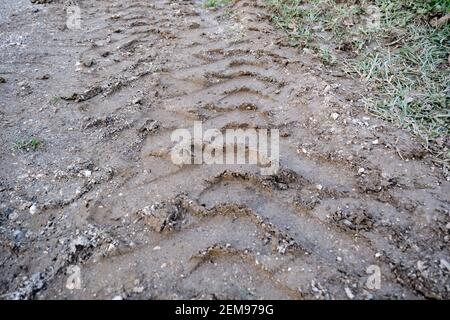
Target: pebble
349,293
361,170
334,115
444,264
157,248
88,62
87,173
137,101
138,289
13,216
34,209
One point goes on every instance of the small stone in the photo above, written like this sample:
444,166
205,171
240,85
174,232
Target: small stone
319,187
361,170
157,248
2,80
88,62
137,101
335,115
349,293
117,298
448,225
44,77
375,141
421,265
339,259
138,289
23,84
87,173
13,216
34,209
378,254
444,264
194,25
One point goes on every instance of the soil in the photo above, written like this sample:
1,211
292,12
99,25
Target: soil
101,196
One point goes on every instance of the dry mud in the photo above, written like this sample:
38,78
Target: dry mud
101,199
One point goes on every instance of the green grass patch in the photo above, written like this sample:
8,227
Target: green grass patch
400,48
215,4
27,144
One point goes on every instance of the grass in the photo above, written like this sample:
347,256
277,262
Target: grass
28,144
394,46
215,4
55,100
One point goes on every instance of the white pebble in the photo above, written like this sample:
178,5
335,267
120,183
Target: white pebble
349,293
34,209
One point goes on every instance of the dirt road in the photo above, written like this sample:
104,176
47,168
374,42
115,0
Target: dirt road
98,210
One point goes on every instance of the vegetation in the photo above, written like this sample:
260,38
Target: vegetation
28,144
214,4
399,47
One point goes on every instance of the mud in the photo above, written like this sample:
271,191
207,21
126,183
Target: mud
101,193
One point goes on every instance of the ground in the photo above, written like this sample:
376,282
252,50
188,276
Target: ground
93,208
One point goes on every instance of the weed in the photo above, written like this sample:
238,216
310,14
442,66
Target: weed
27,144
393,46
215,4
55,100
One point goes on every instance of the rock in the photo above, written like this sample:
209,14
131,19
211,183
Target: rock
79,242
2,80
194,25
349,293
137,100
41,1
13,216
18,236
74,280
44,77
334,115
421,265
138,289
87,173
28,288
34,209
361,170
117,298
160,216
444,264
23,84
88,62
